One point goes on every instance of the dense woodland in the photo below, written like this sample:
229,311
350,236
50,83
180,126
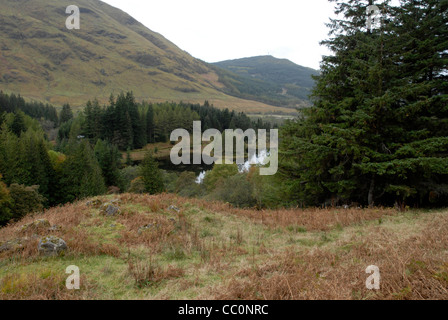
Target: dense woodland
376,134
129,125
47,159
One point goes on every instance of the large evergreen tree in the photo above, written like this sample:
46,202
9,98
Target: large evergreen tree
81,173
377,130
25,160
109,159
66,113
150,124
93,126
18,124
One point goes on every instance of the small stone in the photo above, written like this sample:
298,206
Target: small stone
52,246
12,245
174,208
110,209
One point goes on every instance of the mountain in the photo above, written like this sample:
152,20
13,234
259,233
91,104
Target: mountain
267,79
111,52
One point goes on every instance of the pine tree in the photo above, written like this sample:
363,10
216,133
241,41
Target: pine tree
151,174
377,130
93,126
150,124
81,173
138,132
18,125
109,159
123,135
25,160
128,157
66,114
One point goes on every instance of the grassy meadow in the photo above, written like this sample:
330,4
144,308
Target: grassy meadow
209,250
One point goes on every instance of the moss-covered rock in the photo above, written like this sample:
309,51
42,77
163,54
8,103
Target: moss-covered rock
36,226
12,245
110,209
52,246
173,208
95,203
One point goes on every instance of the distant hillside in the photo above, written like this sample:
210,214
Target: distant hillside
268,79
112,52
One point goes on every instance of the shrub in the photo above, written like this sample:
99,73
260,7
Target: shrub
25,200
186,185
137,185
128,174
5,204
236,190
218,172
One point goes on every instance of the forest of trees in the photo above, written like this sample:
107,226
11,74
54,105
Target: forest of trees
131,125
13,103
85,159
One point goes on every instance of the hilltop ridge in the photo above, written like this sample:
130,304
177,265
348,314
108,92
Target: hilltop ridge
112,52
268,79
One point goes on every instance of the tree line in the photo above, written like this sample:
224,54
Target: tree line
37,110
377,133
131,125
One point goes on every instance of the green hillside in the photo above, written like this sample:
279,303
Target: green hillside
267,79
112,52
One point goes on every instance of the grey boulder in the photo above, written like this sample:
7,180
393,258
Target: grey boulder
52,246
109,209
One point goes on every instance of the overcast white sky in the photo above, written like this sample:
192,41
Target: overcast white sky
213,30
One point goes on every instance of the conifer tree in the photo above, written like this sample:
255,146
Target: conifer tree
151,174
81,173
18,125
25,160
376,133
150,124
66,114
109,159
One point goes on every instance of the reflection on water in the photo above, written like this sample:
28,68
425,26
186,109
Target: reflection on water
166,164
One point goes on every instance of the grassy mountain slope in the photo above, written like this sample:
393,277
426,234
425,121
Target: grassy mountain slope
211,251
112,52
267,79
